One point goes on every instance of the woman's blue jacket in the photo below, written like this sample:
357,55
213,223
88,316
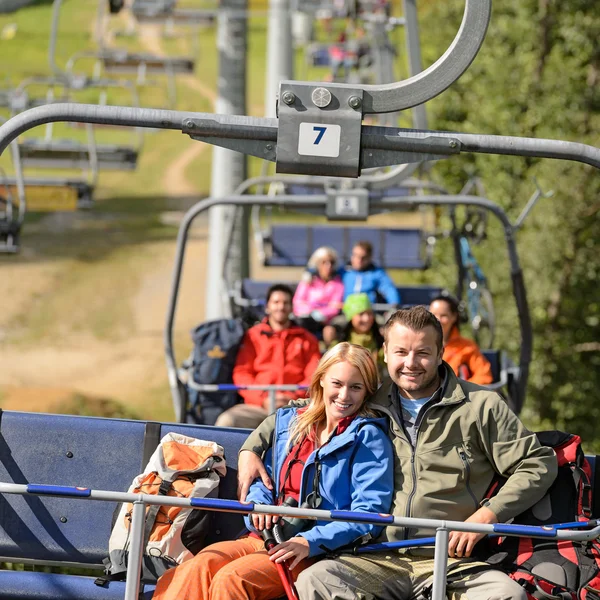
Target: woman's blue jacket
357,473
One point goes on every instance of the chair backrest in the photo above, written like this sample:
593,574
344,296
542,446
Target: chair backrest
101,454
494,357
292,245
413,295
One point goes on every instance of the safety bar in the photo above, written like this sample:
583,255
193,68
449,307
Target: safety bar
231,387
441,527
320,202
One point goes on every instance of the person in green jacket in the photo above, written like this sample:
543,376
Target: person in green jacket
450,439
361,328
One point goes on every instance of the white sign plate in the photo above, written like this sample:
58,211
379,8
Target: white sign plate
347,205
318,139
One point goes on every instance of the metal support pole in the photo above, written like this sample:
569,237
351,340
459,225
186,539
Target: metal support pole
280,64
413,48
272,401
53,36
134,566
440,564
228,167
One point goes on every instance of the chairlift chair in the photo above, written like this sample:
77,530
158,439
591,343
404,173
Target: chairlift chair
51,153
166,11
13,204
138,64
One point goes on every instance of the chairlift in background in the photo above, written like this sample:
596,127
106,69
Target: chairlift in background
13,205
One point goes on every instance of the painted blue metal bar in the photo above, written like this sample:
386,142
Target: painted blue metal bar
527,530
58,490
222,505
348,515
561,532
414,543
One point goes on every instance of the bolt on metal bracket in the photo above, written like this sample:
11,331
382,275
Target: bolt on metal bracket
319,129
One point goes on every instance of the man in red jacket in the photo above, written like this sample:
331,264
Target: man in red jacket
274,352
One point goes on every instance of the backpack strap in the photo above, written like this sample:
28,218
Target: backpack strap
151,441
152,512
584,488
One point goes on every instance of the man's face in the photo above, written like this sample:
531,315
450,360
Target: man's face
359,259
413,359
279,307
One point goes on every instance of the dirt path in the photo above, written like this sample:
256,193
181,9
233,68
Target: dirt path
130,369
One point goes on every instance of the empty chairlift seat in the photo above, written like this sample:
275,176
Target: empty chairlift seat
292,245
159,11
45,194
129,62
71,154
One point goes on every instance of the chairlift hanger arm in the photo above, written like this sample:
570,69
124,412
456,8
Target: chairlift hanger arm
399,145
439,76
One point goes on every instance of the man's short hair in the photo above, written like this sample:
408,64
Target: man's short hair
416,318
279,287
366,246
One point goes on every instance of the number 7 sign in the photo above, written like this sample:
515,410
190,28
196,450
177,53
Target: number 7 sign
318,139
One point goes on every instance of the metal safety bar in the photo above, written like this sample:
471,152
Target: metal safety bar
442,528
231,387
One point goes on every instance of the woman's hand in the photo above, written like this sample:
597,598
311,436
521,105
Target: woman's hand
261,522
297,548
250,467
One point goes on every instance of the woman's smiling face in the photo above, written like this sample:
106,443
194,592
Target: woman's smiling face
344,391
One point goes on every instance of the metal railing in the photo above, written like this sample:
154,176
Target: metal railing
442,528
232,387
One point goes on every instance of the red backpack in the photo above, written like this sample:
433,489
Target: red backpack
548,568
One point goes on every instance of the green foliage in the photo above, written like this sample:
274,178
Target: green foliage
538,75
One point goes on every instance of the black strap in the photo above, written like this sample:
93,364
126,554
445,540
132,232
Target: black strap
596,484
151,441
153,511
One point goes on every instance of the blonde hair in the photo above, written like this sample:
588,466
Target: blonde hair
358,357
319,254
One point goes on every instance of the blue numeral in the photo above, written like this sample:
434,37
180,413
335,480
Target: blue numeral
321,131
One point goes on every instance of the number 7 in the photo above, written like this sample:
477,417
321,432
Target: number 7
321,131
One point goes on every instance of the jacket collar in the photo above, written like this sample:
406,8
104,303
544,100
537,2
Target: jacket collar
266,329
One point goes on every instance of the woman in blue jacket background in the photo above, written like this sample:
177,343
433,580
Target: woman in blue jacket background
330,454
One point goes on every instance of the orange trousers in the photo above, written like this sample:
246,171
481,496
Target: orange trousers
233,570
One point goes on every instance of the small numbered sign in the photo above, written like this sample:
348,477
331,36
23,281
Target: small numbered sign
318,139
347,205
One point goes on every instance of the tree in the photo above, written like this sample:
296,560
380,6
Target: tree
538,75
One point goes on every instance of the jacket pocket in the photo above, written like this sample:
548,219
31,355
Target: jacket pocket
464,457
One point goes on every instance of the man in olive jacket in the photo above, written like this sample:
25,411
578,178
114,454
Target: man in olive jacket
450,438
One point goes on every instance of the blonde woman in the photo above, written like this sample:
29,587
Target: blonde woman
319,296
330,454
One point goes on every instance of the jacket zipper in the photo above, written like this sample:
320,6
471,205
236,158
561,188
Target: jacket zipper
463,457
413,492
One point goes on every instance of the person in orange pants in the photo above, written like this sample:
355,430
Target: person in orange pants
331,454
462,354
229,570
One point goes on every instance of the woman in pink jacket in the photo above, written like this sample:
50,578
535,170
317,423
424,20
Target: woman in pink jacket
319,295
